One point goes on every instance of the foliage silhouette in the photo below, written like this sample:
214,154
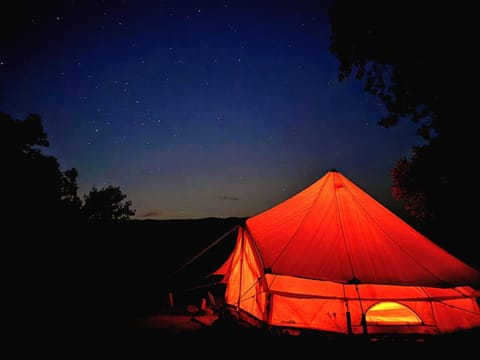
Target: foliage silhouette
107,204
31,183
69,188
417,59
34,188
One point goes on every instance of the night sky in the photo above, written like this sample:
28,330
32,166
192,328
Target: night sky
194,108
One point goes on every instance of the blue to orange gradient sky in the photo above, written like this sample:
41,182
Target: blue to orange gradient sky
195,108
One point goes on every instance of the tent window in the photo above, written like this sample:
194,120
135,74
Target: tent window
391,313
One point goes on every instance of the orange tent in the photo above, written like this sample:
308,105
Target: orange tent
333,259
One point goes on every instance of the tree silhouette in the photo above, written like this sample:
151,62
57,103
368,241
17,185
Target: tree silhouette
33,188
419,65
107,204
31,182
407,57
69,189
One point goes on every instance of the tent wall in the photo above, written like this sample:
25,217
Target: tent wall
323,305
455,315
315,314
245,289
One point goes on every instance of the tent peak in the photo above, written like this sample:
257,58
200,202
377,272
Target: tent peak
333,170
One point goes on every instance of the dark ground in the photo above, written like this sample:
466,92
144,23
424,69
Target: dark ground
226,340
68,287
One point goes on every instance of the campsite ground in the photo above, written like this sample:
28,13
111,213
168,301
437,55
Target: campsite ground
212,337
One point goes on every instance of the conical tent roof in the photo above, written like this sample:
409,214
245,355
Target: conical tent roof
335,231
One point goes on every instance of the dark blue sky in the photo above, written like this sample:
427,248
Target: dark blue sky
195,108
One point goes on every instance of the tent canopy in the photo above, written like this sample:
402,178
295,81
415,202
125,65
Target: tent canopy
335,231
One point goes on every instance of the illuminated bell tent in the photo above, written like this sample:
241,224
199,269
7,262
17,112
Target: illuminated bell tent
333,259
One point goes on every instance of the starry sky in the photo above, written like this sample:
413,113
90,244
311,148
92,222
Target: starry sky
194,108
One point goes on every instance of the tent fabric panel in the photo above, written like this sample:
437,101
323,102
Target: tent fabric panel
335,231
232,273
306,287
314,314
438,318
330,315
328,289
404,255
403,293
456,315
274,228
243,286
460,291
299,246
376,255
